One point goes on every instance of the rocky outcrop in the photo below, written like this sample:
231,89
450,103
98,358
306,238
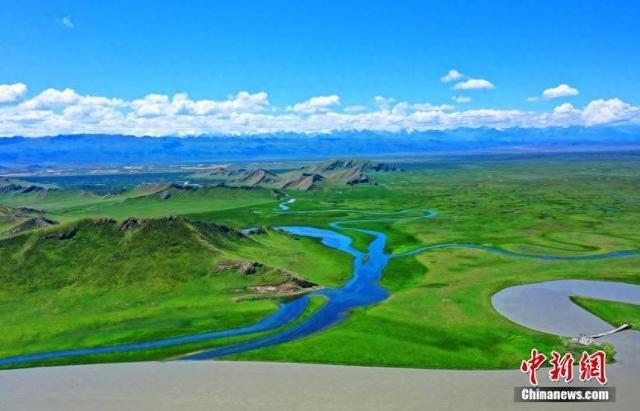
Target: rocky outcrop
245,267
32,223
65,235
258,177
11,214
360,179
304,182
311,177
256,231
129,223
292,286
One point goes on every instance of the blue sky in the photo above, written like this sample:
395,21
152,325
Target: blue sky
294,51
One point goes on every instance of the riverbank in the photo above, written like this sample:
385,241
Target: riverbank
207,385
559,223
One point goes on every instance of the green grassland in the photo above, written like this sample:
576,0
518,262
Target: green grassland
113,283
614,313
172,351
441,316
116,286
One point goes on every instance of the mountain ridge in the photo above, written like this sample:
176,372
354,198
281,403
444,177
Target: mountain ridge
114,150
339,171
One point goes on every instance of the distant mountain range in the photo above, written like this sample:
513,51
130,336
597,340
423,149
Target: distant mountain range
119,150
329,173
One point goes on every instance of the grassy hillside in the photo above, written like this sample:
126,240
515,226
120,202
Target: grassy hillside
17,220
10,217
101,282
145,201
174,200
20,193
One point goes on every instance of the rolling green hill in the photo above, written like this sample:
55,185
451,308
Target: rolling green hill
101,281
145,201
11,215
16,220
49,197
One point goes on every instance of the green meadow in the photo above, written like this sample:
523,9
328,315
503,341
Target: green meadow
108,284
614,313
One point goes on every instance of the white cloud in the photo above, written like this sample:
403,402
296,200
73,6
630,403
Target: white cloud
474,84
68,112
100,101
89,113
461,99
610,111
563,90
383,103
318,104
565,108
430,107
241,102
52,97
532,99
66,21
154,105
357,108
404,108
12,92
451,75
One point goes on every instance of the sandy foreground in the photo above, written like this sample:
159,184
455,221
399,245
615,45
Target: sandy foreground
225,385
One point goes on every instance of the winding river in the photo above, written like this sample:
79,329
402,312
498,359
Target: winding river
362,289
